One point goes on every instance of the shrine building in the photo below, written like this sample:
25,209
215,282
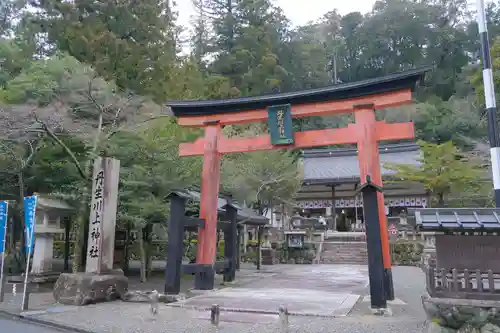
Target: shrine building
331,177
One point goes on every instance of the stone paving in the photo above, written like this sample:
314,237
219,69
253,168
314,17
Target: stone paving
121,317
315,290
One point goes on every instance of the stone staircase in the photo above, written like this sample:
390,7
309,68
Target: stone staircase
344,248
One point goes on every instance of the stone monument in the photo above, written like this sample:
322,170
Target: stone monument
100,282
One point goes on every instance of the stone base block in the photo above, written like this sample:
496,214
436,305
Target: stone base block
383,312
461,315
268,256
87,288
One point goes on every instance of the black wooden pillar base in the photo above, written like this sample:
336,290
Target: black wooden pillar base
230,243
260,232
175,247
238,246
204,277
376,271
388,285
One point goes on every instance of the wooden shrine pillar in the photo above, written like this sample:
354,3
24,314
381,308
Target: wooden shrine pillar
207,237
369,135
333,226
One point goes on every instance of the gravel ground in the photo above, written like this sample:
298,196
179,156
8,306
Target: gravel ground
133,318
16,326
118,317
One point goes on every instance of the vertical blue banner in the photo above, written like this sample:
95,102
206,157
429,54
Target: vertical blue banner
3,224
29,222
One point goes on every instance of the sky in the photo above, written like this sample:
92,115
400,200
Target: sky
298,11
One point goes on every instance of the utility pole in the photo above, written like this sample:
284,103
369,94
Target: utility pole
490,99
335,81
332,63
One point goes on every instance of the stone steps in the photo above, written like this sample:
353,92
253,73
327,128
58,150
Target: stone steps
344,252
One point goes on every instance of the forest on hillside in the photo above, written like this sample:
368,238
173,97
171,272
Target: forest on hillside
83,78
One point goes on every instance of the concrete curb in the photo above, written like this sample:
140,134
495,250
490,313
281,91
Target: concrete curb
41,322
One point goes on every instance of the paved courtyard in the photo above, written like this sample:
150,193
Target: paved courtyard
315,290
327,291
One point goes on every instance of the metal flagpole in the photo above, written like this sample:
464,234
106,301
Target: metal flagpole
31,233
25,298
4,218
489,96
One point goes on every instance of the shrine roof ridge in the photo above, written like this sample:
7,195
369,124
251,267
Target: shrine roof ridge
338,152
341,165
456,219
393,82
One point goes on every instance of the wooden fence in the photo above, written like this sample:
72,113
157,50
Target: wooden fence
465,284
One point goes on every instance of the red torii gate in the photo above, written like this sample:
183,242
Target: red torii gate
362,98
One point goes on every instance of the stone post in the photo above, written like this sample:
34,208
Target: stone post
102,222
99,283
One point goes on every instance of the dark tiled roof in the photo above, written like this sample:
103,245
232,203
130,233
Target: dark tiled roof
342,165
50,203
393,82
456,219
245,215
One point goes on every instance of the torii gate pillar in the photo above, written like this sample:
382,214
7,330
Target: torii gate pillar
368,136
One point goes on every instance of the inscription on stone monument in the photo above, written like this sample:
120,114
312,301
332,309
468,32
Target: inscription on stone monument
102,222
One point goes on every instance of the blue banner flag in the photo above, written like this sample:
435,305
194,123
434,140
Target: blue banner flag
3,224
29,222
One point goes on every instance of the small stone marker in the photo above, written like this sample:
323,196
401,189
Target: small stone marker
214,315
154,302
102,222
283,319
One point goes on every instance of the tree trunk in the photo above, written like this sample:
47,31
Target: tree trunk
79,225
148,249
440,200
21,215
142,255
126,250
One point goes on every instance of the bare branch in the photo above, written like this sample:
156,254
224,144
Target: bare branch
33,151
72,156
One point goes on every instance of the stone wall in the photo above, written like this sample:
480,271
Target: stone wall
462,316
